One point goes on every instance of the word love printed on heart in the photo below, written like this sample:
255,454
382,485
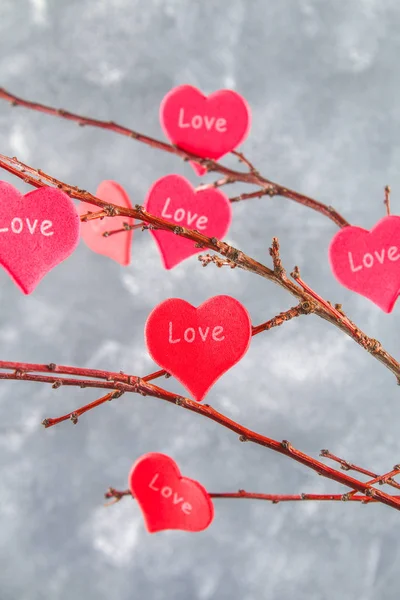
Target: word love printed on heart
199,121
190,333
208,126
198,345
18,225
168,500
192,220
368,262
37,232
378,257
168,492
173,198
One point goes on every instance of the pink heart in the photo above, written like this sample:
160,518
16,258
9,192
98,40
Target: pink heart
168,500
116,246
208,126
37,232
368,262
198,345
173,198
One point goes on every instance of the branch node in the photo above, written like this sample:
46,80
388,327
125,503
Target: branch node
51,366
295,273
57,384
287,445
243,438
374,346
111,210
178,230
74,418
307,307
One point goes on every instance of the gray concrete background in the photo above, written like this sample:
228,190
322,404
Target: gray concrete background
322,80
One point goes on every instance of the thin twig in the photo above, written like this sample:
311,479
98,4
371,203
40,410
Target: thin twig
347,466
387,199
117,495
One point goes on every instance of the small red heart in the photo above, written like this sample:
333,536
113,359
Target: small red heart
208,126
117,246
173,198
168,500
368,262
198,345
37,232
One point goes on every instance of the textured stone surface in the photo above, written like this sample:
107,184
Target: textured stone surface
322,79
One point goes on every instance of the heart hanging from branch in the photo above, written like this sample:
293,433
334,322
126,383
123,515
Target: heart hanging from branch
198,345
38,231
208,126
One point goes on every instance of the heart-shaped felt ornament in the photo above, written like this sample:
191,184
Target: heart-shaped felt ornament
38,230
209,126
173,198
198,345
368,262
116,246
168,500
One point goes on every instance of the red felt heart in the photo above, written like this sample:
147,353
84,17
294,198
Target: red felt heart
116,246
368,262
37,232
173,198
208,126
198,345
168,500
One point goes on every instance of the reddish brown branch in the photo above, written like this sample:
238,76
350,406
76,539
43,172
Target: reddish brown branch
92,216
126,227
117,495
252,177
347,466
145,388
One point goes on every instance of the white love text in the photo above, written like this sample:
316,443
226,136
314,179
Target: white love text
198,122
190,334
369,260
168,492
18,225
180,214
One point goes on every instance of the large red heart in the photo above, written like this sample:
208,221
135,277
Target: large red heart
209,126
368,262
37,232
116,246
173,198
168,500
198,345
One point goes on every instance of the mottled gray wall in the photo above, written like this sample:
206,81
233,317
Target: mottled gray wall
322,79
